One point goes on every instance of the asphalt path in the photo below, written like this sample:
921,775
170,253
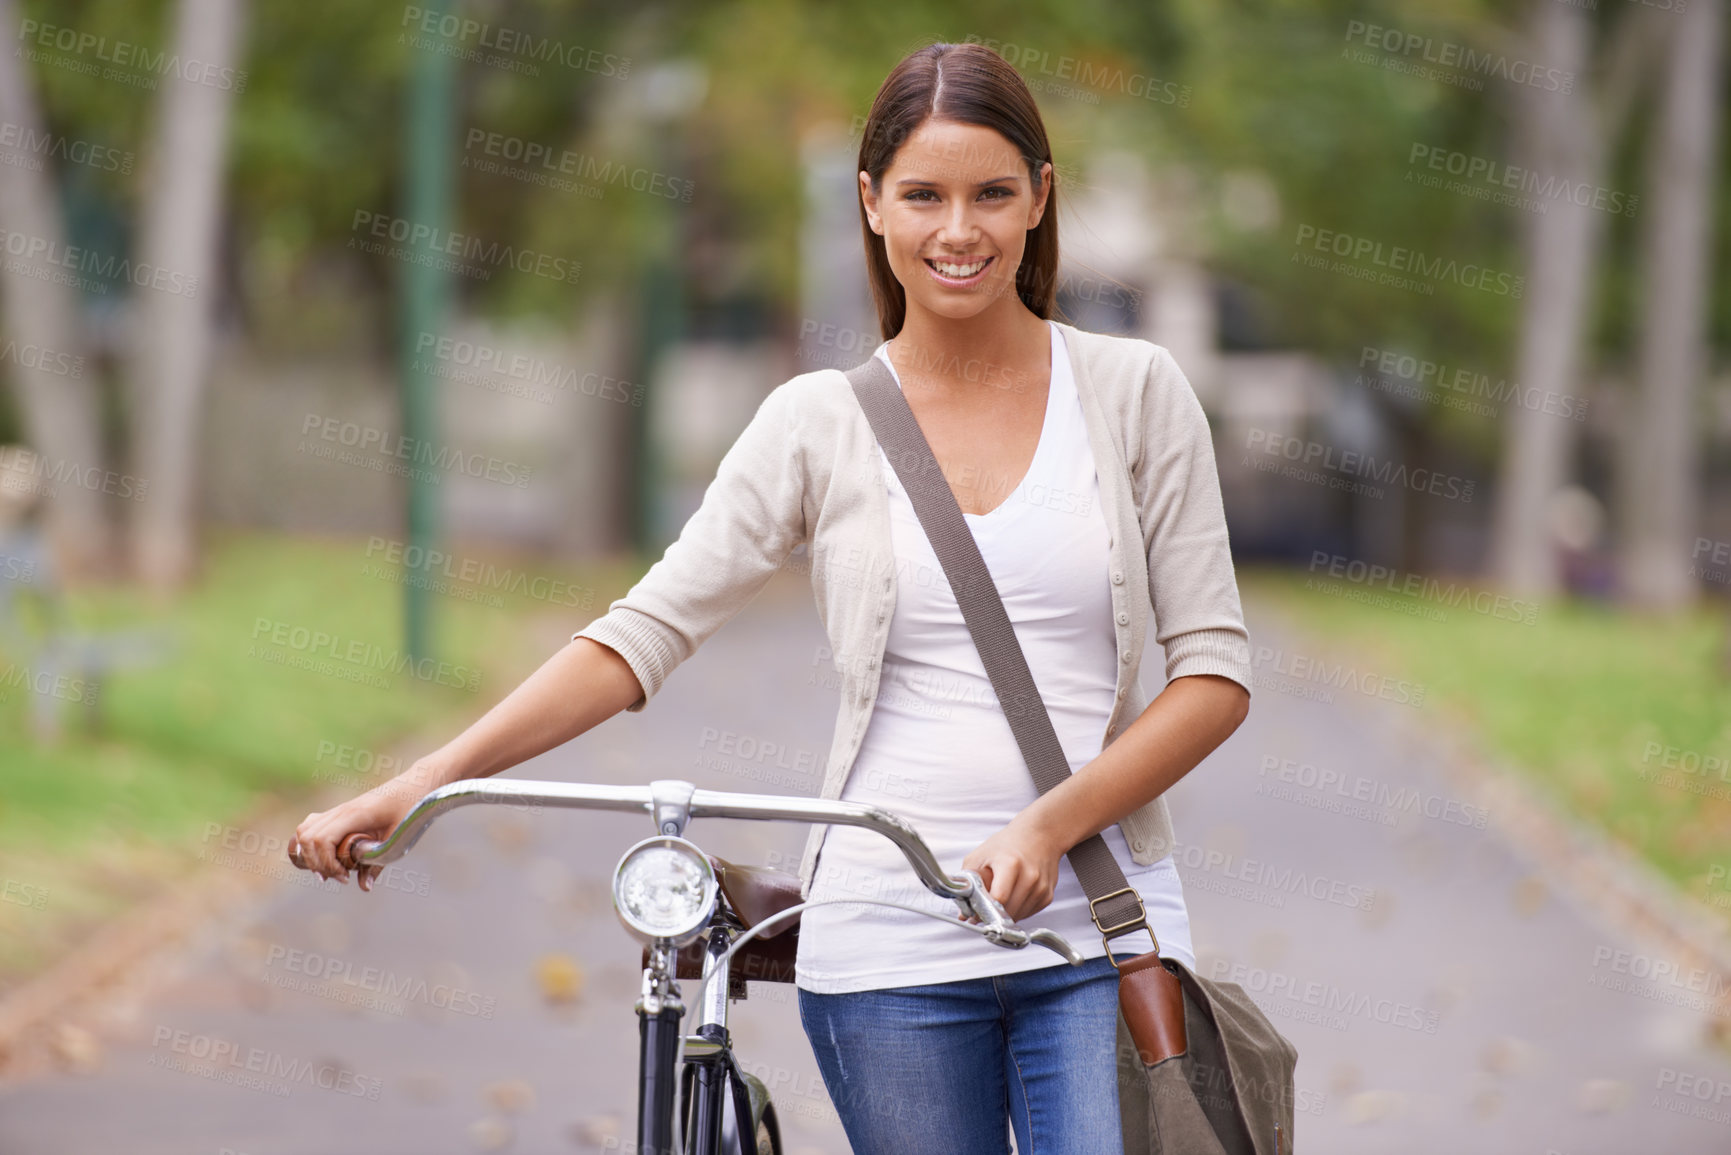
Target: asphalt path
1443,998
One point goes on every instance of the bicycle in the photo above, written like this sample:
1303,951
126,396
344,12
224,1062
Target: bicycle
694,913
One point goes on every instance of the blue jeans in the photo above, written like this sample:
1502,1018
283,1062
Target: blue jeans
936,1069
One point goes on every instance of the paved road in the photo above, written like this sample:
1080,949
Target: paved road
1441,999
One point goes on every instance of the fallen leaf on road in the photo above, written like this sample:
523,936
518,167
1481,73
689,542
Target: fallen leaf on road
490,1133
76,1048
1507,1055
1375,1106
560,978
595,1131
1529,895
258,995
511,1097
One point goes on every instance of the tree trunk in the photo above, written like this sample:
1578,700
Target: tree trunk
1662,502
61,408
171,344
1559,138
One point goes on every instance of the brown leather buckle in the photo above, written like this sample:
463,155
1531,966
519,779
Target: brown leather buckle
1118,930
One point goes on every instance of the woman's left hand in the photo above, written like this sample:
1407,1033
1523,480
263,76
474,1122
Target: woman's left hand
1019,867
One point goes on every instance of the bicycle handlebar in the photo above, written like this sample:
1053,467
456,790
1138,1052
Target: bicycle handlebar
676,801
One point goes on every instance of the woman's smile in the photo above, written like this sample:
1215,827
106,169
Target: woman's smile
959,274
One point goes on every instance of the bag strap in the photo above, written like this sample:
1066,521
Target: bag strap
1113,903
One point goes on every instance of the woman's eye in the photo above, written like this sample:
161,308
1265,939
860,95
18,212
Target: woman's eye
995,192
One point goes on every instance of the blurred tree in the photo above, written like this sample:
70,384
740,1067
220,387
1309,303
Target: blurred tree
1564,137
1662,486
61,410
169,350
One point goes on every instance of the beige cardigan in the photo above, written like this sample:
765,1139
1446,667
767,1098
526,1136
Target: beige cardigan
805,471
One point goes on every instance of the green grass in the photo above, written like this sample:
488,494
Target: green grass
214,731
1579,700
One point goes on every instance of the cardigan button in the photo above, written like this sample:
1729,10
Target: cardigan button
1123,618
1126,659
1117,577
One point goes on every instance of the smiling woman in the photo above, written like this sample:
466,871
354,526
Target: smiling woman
926,1041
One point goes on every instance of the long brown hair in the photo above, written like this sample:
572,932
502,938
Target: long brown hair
968,84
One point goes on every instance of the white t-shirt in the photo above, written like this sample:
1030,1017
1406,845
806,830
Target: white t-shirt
938,749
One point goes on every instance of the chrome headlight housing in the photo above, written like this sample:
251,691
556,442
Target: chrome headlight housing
664,890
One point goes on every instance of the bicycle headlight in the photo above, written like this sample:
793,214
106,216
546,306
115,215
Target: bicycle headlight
664,889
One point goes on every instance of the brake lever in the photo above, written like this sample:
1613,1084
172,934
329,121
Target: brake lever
995,923
1054,941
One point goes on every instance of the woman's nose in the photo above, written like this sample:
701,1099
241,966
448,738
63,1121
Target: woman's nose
959,227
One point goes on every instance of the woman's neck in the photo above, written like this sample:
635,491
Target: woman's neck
990,347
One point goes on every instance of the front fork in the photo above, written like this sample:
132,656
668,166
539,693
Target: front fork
658,1013
707,1054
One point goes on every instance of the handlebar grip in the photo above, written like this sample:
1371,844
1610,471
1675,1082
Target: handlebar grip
353,847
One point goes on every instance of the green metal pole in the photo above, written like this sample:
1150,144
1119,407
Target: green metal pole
427,183
662,327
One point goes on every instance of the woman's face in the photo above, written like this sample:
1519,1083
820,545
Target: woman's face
954,209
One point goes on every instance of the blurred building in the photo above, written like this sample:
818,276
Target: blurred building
532,450
1136,263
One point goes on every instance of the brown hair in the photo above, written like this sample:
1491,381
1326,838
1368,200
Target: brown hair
968,84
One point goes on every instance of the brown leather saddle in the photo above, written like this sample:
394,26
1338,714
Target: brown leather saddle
753,894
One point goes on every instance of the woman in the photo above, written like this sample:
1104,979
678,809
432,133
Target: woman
1084,467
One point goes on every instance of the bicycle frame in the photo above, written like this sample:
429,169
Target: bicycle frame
708,1050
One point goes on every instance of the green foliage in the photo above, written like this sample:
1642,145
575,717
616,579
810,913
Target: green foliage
1268,94
198,735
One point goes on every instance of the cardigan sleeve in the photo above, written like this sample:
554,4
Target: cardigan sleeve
751,517
1198,620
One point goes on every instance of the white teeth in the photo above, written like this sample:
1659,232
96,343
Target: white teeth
959,271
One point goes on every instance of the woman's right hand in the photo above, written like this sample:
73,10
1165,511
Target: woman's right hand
372,815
